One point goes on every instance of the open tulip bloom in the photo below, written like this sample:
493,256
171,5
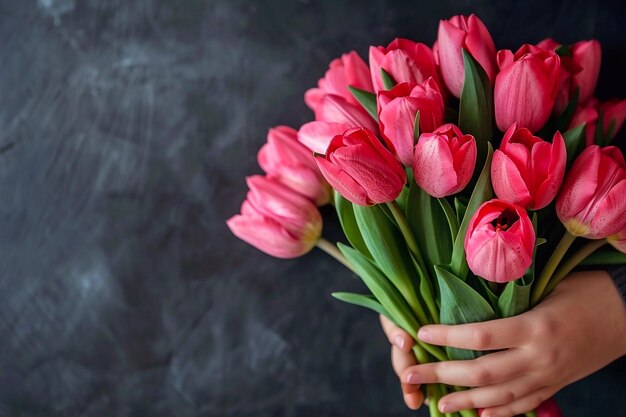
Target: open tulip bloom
454,211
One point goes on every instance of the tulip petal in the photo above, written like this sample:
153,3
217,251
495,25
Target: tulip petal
507,181
343,183
317,135
375,177
433,166
268,236
396,119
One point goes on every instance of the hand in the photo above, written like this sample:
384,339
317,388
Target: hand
576,330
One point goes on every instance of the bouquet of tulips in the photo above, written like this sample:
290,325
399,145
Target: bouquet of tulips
468,181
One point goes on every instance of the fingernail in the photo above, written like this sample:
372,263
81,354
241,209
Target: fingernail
446,407
413,378
423,335
399,341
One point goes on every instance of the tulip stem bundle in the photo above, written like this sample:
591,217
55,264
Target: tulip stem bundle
406,232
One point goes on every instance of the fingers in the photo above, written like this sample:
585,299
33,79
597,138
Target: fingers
486,370
413,397
401,360
396,335
521,405
490,396
489,335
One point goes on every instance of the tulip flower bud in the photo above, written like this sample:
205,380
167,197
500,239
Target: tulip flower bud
276,220
587,55
526,87
396,114
444,161
349,70
613,116
499,242
359,167
588,115
469,33
591,202
287,161
406,61
526,170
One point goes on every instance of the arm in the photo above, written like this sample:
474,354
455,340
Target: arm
578,329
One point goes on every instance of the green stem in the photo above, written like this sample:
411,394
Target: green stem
453,223
530,414
332,249
436,351
573,261
553,262
405,229
420,354
433,394
396,211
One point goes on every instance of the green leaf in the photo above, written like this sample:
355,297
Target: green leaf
567,114
349,224
460,206
385,292
389,252
574,142
416,128
482,192
403,199
427,220
361,300
367,100
476,105
388,80
461,304
515,299
453,222
605,257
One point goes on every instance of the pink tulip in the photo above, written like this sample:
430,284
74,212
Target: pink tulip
287,161
588,115
444,161
405,61
499,241
349,70
276,220
592,201
548,408
336,109
526,87
317,135
469,33
613,112
526,170
359,167
587,54
396,114
613,115
568,68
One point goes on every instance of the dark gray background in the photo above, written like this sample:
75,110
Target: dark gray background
126,130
